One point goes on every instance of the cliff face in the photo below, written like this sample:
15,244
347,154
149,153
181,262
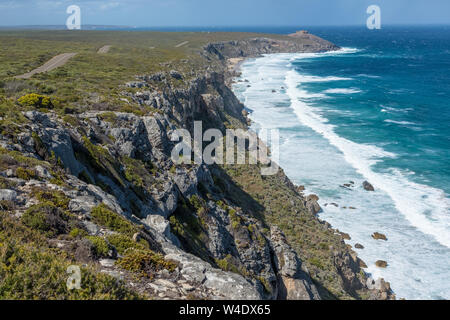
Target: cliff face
105,186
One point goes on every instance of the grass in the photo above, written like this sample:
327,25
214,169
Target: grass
145,263
100,246
122,243
104,216
46,218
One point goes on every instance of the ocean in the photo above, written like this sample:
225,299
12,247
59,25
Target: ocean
377,110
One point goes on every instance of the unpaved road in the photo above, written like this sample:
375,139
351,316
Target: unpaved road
181,44
55,62
104,49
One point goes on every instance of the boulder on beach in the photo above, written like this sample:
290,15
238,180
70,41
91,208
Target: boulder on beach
367,186
379,236
381,264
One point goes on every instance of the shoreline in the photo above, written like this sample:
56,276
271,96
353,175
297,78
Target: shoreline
234,65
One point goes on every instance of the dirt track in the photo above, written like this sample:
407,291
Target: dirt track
181,44
104,49
55,62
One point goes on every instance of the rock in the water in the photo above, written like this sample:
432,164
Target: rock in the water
359,246
367,186
379,236
312,197
345,236
381,264
334,204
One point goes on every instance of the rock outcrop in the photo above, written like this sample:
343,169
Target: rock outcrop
367,186
294,282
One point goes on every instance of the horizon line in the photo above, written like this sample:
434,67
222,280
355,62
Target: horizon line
217,26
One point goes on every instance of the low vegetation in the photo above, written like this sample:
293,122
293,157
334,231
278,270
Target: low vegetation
104,216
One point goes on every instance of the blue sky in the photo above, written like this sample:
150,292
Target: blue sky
223,12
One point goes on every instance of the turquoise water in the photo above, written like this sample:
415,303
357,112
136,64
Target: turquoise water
378,110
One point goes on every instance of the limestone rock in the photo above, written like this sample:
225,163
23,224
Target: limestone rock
56,139
294,282
8,195
312,205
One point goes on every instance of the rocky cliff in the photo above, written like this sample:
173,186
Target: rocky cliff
101,187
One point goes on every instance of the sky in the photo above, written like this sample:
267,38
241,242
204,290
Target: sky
194,13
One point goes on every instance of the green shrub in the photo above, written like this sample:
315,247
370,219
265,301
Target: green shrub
103,216
101,159
108,117
46,218
29,273
25,174
57,198
196,202
6,183
227,264
145,263
78,233
316,262
100,245
71,120
36,100
6,205
122,243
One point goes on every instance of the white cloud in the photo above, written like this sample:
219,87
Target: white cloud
109,5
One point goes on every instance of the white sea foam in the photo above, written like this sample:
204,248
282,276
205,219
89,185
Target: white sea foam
427,208
363,75
342,91
307,78
404,123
